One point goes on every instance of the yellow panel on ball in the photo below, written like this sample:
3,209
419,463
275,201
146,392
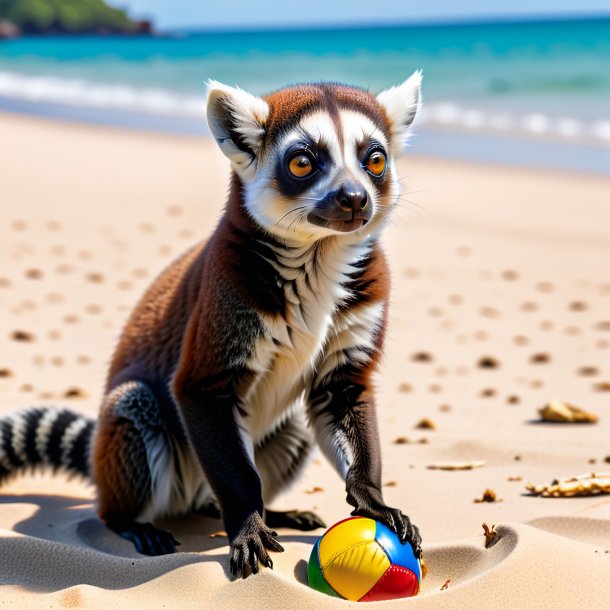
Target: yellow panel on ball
344,534
357,570
351,560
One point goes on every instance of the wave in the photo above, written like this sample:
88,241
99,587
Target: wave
82,93
78,92
533,124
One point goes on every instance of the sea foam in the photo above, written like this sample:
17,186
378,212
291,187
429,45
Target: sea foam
83,93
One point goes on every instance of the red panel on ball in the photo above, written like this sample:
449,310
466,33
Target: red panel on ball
396,582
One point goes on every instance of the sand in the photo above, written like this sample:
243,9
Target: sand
501,301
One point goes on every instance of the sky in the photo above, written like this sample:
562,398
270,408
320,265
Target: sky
202,14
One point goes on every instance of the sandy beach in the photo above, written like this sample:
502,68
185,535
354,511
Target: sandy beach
500,303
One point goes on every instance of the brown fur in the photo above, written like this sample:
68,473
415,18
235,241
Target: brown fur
288,106
115,451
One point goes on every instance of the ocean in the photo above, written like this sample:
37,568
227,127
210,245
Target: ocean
528,83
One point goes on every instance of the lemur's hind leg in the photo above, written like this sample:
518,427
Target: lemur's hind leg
129,423
280,458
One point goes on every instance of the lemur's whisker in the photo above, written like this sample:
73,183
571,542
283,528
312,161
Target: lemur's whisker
416,205
301,198
299,209
296,219
393,213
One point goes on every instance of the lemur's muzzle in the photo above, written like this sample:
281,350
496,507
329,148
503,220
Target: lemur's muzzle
347,209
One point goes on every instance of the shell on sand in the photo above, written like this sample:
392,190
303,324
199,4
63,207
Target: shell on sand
559,411
582,485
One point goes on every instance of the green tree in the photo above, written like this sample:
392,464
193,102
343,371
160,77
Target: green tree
72,16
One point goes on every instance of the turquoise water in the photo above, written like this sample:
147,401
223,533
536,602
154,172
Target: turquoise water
491,62
540,79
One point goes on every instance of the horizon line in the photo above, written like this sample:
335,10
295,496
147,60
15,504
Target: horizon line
419,22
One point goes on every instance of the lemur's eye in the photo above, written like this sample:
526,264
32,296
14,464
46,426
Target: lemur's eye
376,162
301,165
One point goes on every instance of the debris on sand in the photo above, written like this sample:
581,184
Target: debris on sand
588,371
314,490
446,585
582,485
75,392
422,357
22,335
488,362
489,495
490,535
425,424
456,465
559,411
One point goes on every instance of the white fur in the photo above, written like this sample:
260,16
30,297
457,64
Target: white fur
353,332
231,107
69,436
19,425
285,371
332,441
401,105
286,453
171,494
43,431
4,459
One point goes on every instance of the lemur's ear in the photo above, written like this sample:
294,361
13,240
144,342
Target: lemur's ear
401,104
236,119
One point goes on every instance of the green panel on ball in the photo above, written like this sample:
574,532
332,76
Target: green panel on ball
315,578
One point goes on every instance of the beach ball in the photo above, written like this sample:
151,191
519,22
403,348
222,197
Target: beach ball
363,560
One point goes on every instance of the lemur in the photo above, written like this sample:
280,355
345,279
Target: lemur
257,343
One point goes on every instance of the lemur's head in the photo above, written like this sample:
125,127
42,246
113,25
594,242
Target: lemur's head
315,160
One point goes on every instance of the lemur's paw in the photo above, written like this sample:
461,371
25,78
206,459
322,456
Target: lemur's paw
398,522
147,539
295,519
250,546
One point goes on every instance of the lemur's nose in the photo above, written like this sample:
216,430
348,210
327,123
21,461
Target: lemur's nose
352,197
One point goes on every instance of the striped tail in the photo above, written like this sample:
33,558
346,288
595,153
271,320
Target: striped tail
45,436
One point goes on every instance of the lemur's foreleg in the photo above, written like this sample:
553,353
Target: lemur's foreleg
280,458
343,412
209,412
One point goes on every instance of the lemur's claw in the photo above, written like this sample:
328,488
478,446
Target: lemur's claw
405,530
146,538
250,546
398,522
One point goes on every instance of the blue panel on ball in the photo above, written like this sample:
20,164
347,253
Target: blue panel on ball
399,554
